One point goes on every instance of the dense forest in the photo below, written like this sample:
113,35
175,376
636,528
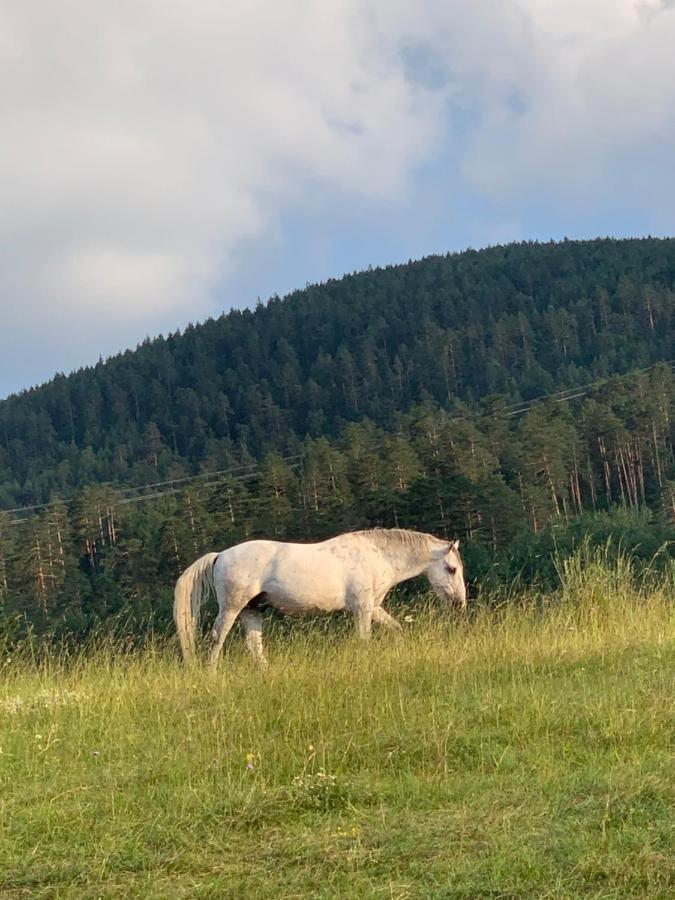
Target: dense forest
505,396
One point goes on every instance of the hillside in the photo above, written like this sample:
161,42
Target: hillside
519,321
401,397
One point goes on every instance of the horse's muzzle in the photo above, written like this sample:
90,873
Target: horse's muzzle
459,602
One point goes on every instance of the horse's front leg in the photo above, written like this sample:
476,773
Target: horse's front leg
383,618
252,622
362,610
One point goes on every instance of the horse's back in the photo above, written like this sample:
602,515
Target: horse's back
259,558
295,576
245,563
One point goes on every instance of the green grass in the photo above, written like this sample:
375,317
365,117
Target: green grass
520,752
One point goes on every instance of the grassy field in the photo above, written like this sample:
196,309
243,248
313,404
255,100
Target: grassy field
523,751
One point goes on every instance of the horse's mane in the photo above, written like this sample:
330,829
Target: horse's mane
400,538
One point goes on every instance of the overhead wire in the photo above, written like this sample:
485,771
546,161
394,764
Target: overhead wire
295,460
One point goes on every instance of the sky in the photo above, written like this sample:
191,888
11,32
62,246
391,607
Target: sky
165,161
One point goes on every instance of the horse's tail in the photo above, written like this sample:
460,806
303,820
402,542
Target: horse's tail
191,588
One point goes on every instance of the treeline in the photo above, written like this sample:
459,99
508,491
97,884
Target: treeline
511,481
518,321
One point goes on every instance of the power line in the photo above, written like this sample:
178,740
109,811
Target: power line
248,477
295,460
218,475
563,396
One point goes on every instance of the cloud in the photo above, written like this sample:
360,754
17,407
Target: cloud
583,113
144,144
144,141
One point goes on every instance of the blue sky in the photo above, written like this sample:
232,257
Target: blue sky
162,163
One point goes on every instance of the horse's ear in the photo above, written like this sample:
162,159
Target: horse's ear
454,545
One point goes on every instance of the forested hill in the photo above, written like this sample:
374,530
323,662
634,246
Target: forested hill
518,321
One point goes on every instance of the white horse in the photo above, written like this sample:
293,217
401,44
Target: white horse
351,572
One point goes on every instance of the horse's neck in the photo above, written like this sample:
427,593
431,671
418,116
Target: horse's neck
407,562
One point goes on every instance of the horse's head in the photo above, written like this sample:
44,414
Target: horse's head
446,575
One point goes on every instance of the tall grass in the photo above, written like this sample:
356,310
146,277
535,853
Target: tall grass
522,750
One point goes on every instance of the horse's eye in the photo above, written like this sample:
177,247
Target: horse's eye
451,569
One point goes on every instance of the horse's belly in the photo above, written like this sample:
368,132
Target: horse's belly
303,581
299,603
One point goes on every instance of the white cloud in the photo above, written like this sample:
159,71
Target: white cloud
119,282
141,142
585,113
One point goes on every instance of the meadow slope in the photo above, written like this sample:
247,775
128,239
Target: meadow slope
524,751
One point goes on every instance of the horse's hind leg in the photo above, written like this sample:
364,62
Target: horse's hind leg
230,606
221,628
252,622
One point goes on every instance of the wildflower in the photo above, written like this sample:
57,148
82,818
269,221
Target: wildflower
408,619
353,832
12,705
45,698
250,760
